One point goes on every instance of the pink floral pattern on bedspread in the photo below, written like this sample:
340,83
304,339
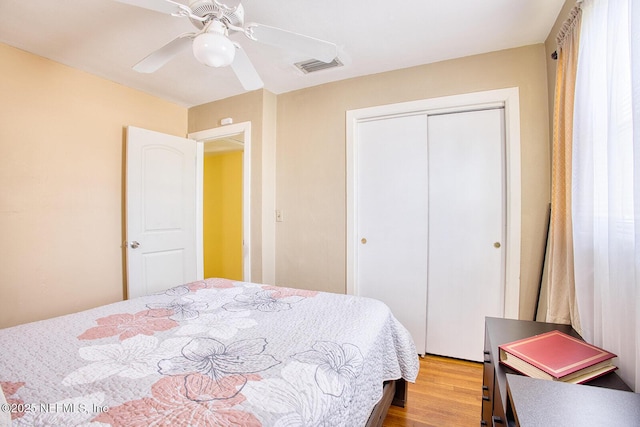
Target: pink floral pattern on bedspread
128,325
9,389
279,292
208,353
169,406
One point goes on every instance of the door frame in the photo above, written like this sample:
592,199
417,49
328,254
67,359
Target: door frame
201,137
507,98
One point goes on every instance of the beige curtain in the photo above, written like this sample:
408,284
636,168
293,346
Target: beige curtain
560,287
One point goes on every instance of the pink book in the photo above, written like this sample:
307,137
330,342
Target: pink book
557,356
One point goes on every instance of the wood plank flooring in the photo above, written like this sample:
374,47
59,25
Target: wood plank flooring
448,392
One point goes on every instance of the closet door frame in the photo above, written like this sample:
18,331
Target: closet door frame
507,98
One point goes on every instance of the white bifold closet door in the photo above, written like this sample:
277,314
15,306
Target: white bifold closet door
430,224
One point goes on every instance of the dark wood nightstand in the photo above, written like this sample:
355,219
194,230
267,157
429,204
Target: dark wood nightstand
535,402
495,411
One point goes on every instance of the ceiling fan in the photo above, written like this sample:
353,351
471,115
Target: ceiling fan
215,20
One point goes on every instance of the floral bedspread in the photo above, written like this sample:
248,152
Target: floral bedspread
208,353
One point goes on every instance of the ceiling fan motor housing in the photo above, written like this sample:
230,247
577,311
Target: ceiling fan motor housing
209,9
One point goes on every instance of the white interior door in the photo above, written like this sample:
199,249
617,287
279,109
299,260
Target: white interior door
466,230
160,210
391,214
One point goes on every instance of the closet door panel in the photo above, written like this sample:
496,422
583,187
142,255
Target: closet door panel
466,230
392,218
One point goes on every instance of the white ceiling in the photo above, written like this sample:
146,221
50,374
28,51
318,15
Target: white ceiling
106,38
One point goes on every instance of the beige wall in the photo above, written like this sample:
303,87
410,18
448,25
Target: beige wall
61,142
310,243
61,182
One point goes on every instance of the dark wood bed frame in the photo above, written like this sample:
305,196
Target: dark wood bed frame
393,393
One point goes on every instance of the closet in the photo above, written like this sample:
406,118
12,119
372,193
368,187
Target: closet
428,210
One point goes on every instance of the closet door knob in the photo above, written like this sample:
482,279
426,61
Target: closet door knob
363,241
135,245
496,245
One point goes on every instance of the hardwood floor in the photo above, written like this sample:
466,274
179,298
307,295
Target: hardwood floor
448,392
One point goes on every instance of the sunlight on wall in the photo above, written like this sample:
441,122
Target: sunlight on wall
61,169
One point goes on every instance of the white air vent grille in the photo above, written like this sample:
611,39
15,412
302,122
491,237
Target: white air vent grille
314,65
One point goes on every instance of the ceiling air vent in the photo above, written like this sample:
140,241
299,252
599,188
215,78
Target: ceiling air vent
314,65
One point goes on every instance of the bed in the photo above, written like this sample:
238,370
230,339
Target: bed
210,353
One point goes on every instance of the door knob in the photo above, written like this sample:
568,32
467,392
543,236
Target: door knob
134,245
496,245
363,241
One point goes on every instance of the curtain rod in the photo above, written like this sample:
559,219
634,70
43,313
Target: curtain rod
578,3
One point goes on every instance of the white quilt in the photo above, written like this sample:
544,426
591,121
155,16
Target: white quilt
209,353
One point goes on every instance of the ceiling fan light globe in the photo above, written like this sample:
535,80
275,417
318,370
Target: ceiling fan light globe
214,50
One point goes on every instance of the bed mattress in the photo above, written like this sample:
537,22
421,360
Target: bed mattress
208,353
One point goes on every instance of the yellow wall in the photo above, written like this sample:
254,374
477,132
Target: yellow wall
61,184
222,215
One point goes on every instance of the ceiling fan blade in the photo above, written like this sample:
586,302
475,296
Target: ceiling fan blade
157,59
163,6
314,48
245,71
